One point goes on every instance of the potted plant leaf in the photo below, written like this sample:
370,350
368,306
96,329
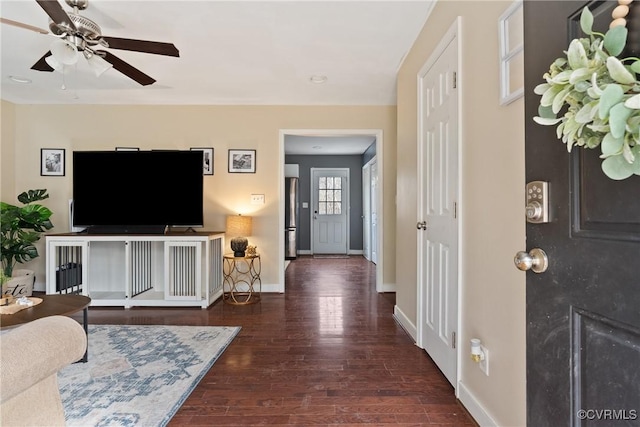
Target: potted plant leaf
20,228
592,96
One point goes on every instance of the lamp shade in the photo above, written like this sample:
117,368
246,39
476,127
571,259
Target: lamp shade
64,52
98,64
238,227
54,63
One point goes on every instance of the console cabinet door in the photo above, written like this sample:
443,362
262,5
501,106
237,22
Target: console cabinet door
65,273
182,270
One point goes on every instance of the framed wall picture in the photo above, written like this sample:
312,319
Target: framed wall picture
207,159
242,161
52,161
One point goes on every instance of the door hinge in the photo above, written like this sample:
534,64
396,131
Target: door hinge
453,339
455,80
455,210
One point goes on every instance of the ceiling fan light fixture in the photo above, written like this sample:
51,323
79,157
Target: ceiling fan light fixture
77,34
54,63
98,64
64,52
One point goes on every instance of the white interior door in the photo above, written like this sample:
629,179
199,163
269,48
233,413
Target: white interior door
374,212
366,211
330,192
437,222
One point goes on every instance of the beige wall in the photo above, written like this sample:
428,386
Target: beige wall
491,204
182,127
7,150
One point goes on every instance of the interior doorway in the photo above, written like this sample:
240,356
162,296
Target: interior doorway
376,135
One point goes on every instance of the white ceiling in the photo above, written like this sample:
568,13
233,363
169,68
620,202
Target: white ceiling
231,52
327,145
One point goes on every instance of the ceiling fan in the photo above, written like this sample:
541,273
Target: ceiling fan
78,34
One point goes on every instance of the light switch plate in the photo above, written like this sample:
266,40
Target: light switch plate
257,199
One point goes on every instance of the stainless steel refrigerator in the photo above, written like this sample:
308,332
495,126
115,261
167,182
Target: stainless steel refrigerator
291,218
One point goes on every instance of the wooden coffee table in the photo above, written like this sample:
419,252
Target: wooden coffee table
51,305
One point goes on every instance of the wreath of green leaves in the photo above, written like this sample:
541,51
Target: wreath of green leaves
601,94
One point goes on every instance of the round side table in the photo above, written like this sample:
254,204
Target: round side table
241,279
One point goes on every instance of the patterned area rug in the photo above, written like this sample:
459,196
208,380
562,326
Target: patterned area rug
139,375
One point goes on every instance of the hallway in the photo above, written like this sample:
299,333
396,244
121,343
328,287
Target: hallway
326,353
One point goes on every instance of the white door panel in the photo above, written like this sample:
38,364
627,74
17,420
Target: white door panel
437,192
366,211
374,213
330,192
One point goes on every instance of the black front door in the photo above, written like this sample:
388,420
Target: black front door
583,313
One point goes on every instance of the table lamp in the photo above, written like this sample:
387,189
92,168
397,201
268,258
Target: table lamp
238,227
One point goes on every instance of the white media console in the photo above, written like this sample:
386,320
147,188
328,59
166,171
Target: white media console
178,269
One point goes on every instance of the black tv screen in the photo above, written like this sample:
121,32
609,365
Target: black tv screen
134,191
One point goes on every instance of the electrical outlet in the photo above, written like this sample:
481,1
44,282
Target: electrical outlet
484,363
257,199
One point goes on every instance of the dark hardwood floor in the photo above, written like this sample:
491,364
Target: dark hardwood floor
326,353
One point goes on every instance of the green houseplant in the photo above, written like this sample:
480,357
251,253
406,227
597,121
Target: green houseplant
3,278
593,97
21,227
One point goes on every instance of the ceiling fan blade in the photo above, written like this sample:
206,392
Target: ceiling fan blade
42,65
145,46
57,14
22,25
126,69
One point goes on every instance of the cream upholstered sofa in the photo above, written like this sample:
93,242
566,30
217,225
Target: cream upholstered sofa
30,357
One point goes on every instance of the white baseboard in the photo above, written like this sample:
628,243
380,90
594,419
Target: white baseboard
475,408
405,323
308,252
271,288
388,287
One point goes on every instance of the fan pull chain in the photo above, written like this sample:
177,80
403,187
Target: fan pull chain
619,13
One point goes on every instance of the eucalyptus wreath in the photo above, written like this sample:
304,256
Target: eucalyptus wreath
593,96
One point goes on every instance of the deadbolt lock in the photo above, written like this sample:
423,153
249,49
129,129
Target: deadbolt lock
534,211
537,208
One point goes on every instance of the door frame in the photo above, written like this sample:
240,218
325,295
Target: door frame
314,201
366,209
453,35
378,134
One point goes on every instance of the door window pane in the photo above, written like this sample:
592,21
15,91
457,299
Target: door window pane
330,195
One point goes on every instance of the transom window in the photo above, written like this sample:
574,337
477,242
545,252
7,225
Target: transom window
329,195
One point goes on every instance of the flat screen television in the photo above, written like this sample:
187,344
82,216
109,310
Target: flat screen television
137,191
